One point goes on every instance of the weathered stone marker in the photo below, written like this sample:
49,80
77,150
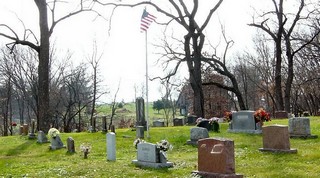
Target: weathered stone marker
70,145
299,127
42,138
275,138
139,132
197,133
111,146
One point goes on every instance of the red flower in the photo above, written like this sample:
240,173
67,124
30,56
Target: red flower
261,115
228,116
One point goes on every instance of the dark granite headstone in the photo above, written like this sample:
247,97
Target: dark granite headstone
140,113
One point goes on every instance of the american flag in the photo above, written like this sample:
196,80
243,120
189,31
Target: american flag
146,20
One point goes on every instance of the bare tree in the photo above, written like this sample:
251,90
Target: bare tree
41,45
169,104
6,68
184,14
94,60
281,30
114,105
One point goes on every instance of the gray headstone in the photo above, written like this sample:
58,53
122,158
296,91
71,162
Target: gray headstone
70,145
42,138
56,143
299,127
148,152
148,155
111,146
243,121
140,132
197,133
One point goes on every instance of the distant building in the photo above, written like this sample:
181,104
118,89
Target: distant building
216,100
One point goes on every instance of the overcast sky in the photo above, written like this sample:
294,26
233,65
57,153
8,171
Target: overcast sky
124,46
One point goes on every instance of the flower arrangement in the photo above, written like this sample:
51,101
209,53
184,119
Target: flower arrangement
261,115
214,122
228,116
209,124
164,145
53,132
137,141
85,148
13,124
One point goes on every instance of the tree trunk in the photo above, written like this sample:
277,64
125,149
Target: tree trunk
278,78
43,116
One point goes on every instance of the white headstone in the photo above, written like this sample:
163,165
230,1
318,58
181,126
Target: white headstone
111,146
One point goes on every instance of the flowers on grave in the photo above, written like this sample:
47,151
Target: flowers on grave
164,145
214,123
209,124
53,132
13,124
228,116
85,148
137,141
261,115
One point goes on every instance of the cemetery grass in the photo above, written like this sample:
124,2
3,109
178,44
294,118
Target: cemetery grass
21,157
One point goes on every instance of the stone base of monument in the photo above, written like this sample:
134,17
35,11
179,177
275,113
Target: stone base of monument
56,148
244,131
278,150
192,142
32,136
303,136
216,175
152,165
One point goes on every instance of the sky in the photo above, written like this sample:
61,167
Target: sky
123,45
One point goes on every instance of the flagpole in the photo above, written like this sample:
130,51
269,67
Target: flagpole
147,90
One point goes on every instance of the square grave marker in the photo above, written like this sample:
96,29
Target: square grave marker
299,127
275,138
243,121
